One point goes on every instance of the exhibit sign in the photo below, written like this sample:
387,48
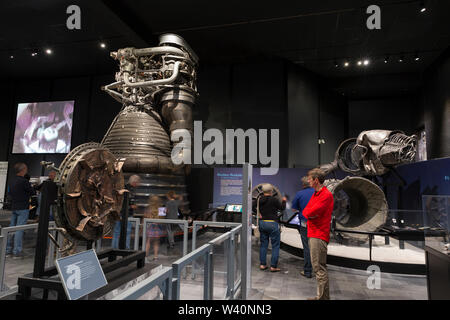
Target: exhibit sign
81,274
3,175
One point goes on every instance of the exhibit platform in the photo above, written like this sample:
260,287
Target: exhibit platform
389,257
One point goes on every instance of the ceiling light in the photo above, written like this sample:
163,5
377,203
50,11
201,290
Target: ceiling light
401,59
11,57
336,64
359,62
346,64
416,57
102,45
422,6
386,59
366,62
34,54
48,51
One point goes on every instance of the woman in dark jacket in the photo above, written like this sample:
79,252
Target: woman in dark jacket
269,208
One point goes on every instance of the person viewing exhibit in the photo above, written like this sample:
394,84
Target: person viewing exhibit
318,214
172,204
268,207
20,191
155,231
299,204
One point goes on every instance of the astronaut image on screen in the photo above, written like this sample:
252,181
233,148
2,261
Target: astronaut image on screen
44,127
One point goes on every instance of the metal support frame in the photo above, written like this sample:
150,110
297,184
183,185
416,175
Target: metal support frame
163,279
4,240
124,221
27,282
246,238
179,265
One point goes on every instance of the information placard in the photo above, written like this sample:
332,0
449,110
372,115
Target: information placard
81,274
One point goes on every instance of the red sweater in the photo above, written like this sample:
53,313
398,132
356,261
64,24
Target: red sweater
320,205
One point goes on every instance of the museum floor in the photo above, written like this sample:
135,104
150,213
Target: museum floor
345,283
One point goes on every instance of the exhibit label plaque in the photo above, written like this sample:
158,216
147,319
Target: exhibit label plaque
81,274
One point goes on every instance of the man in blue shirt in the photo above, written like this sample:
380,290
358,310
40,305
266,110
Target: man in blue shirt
298,204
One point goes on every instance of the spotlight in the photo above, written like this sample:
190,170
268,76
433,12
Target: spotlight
48,51
386,59
366,62
422,6
336,64
102,45
416,57
11,57
346,64
34,54
359,62
401,59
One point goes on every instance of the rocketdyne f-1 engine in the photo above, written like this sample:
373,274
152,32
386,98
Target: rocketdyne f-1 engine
157,87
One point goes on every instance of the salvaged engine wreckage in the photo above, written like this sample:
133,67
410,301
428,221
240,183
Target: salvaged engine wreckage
359,203
157,87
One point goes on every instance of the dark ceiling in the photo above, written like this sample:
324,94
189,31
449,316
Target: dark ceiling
312,34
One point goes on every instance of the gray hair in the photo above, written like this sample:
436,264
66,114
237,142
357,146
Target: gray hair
305,182
134,179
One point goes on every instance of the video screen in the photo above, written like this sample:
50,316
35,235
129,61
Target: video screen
233,208
43,127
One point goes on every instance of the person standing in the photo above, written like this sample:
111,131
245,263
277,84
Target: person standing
154,231
133,182
20,191
318,214
172,204
299,204
269,208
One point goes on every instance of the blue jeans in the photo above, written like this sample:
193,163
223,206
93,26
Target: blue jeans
18,218
269,230
116,235
307,268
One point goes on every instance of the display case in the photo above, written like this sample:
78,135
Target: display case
436,228
436,222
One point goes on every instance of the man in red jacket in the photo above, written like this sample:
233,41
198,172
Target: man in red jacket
318,213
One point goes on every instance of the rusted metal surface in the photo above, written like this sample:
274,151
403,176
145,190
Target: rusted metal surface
91,185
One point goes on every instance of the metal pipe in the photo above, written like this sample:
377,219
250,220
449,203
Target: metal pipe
171,79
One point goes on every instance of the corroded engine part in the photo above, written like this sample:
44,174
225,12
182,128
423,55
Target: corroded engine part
373,152
91,186
157,87
359,205
257,191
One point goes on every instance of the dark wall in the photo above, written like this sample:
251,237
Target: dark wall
245,95
436,106
399,113
314,113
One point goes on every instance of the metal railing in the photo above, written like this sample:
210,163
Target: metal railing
169,278
182,223
174,274
4,240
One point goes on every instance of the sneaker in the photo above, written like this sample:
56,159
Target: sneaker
19,255
306,275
